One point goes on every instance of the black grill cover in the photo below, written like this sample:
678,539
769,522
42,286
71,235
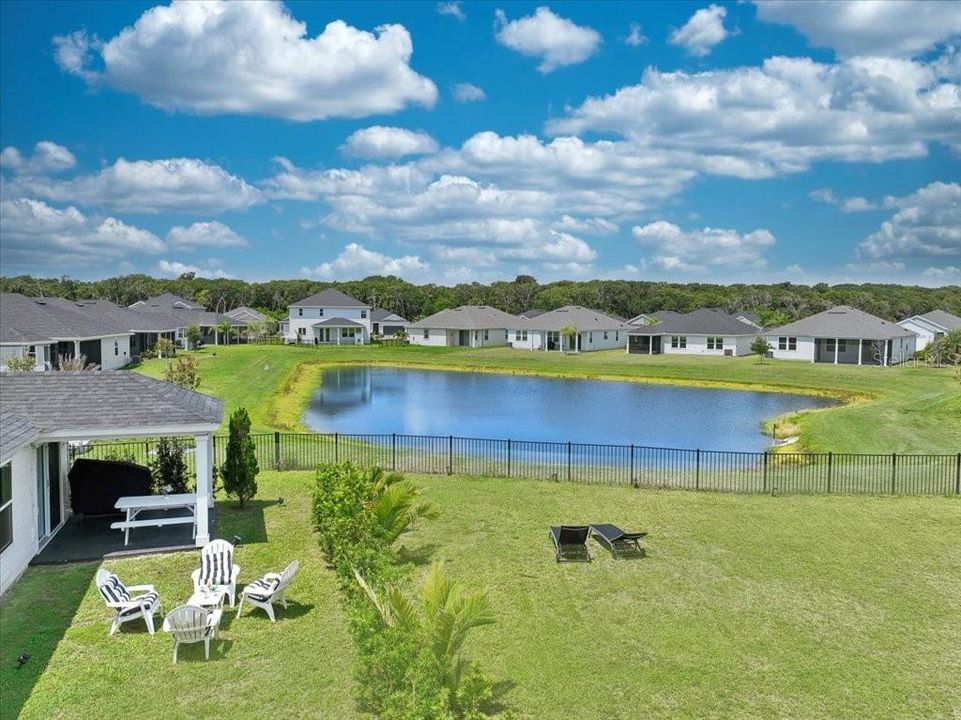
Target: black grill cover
95,485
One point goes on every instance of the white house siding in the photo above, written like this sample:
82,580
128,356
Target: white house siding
108,359
533,341
311,316
926,334
436,337
15,558
41,352
804,351
697,345
595,340
443,337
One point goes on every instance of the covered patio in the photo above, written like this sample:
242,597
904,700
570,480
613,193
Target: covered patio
339,331
82,409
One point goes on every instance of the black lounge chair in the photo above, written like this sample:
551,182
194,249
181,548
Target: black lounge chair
570,542
618,541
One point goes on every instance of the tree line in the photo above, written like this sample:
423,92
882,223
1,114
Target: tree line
773,303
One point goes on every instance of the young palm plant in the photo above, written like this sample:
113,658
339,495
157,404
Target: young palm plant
396,504
442,616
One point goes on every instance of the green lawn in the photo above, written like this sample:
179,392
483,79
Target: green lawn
298,667
903,409
745,607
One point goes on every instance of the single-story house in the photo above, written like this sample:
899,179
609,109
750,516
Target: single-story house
182,313
42,412
931,326
330,317
701,332
246,315
48,328
465,326
842,335
594,331
168,300
385,323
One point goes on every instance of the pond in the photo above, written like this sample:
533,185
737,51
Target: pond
431,402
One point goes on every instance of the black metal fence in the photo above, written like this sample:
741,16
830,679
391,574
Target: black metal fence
636,465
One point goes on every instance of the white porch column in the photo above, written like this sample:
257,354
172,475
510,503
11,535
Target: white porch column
885,362
860,345
835,351
40,356
650,344
204,458
76,348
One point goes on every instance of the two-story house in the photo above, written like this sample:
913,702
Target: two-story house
329,317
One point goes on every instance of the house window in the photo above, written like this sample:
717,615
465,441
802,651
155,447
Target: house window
678,341
605,334
6,506
486,335
320,312
787,343
715,343
301,331
841,345
617,335
363,313
300,312
426,334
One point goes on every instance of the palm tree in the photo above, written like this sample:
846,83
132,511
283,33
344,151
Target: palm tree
225,327
443,616
395,503
570,333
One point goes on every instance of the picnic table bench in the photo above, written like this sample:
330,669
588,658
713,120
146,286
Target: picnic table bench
133,505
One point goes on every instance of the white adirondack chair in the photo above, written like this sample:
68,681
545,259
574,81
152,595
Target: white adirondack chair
128,602
271,588
192,624
217,571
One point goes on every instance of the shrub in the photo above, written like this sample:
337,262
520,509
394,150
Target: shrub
148,354
184,371
75,364
21,363
760,347
239,470
120,456
194,337
165,347
169,468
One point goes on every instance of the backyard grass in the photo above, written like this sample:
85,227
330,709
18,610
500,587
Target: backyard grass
744,607
885,410
299,667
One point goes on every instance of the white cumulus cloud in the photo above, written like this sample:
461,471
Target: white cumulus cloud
388,142
467,92
555,40
452,9
857,204
671,248
205,234
146,186
356,262
702,31
47,157
635,35
217,57
174,268
868,27
927,224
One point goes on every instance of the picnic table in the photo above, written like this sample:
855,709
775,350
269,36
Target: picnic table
136,504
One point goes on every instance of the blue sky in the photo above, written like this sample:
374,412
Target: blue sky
449,142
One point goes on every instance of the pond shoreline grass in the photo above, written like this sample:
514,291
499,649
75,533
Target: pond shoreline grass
881,410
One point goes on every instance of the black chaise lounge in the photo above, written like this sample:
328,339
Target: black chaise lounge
570,542
618,541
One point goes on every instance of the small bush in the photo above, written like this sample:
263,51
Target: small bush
165,347
21,363
169,468
240,468
184,371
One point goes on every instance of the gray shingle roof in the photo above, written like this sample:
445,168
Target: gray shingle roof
469,317
337,322
584,319
660,315
168,300
15,432
379,315
699,322
532,313
943,319
331,297
65,401
46,319
246,314
842,321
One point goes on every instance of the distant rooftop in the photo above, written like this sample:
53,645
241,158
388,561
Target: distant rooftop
331,297
843,321
469,317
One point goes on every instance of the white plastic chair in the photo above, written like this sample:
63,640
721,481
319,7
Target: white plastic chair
271,588
192,624
217,571
128,602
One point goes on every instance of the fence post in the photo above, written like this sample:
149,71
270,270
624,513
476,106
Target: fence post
632,467
336,447
568,461
697,469
276,450
508,457
830,466
393,451
764,475
450,454
894,470
957,476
